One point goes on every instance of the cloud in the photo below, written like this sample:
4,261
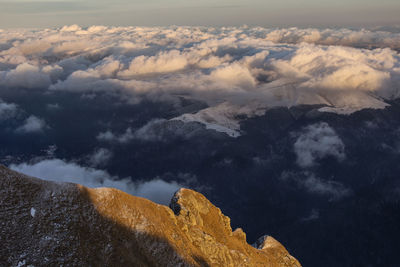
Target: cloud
156,130
331,188
25,75
318,141
53,107
58,170
100,157
32,124
109,136
343,37
314,215
163,62
315,185
7,110
157,190
237,72
234,75
71,28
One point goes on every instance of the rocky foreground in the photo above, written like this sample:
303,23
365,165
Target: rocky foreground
53,224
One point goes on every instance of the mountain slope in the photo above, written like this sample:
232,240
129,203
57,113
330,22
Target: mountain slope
45,223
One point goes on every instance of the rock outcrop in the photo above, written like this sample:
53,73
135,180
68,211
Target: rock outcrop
59,224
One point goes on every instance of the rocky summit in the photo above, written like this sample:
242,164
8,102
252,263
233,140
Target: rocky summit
45,223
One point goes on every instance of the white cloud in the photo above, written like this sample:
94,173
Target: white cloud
163,62
7,110
71,28
157,190
62,171
100,157
32,124
59,170
315,185
154,130
26,76
234,75
331,188
316,142
109,136
246,69
343,37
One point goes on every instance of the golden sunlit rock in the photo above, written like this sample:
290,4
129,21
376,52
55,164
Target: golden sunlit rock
52,224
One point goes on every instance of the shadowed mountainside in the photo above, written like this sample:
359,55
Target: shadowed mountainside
45,224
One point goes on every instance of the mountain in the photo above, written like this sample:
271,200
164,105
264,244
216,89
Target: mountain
47,223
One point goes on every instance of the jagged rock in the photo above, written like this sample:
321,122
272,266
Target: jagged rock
269,243
53,224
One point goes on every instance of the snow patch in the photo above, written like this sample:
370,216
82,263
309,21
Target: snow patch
33,212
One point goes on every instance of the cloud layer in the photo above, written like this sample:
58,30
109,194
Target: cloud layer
237,72
59,170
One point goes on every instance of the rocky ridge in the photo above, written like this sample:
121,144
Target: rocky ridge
61,224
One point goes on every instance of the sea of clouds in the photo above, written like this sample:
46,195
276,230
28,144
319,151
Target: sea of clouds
235,71
59,170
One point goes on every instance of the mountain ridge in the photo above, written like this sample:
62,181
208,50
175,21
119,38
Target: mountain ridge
46,223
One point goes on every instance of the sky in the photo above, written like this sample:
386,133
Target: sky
270,13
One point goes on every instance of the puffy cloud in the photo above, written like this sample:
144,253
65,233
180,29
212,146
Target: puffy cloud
315,185
59,170
161,63
337,68
100,157
157,190
62,171
234,75
331,188
26,76
316,142
246,69
32,124
7,110
344,37
109,136
71,28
